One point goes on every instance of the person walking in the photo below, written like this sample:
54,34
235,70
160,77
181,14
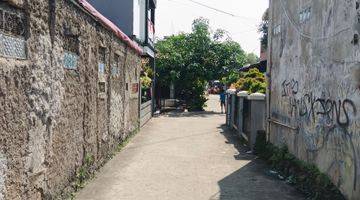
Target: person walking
222,100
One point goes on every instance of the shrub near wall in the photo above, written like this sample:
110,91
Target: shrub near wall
304,176
66,95
251,81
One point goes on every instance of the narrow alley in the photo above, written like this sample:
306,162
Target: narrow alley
186,156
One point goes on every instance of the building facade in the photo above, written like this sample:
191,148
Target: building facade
137,19
69,82
314,94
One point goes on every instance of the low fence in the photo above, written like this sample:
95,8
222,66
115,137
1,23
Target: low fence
145,112
246,114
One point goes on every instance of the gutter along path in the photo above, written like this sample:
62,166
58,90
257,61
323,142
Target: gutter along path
186,156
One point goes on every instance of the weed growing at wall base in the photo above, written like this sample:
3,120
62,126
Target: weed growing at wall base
88,170
304,176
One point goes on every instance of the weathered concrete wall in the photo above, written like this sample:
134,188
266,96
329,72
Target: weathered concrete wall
54,112
314,89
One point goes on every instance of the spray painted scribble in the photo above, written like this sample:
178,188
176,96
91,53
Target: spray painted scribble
290,88
315,88
333,110
324,123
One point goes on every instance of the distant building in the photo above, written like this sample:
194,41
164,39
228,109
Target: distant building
261,66
136,18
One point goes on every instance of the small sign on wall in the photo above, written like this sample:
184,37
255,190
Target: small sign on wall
135,88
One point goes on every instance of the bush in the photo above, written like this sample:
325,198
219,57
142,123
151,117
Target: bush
197,104
145,82
252,81
306,177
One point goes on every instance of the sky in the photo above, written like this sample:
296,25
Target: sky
174,16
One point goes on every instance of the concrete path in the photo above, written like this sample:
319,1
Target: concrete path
189,156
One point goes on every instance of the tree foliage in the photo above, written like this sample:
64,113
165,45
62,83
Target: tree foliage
146,75
190,60
264,29
252,58
251,81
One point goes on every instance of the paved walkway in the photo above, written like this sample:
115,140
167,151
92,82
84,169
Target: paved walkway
189,156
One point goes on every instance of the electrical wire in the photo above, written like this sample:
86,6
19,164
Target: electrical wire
296,28
219,11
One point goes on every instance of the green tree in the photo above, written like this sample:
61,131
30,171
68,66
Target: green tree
190,60
264,29
252,58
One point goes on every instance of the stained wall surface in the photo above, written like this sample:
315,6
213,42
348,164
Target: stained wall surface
314,96
63,95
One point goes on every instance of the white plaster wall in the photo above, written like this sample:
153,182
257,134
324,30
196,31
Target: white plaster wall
314,89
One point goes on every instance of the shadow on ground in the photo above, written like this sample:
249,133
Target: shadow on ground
233,139
203,114
250,182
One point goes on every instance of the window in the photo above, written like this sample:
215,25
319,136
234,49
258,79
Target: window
71,44
115,65
71,51
102,54
102,59
102,87
101,72
12,32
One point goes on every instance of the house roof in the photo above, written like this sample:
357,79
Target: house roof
261,66
110,25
